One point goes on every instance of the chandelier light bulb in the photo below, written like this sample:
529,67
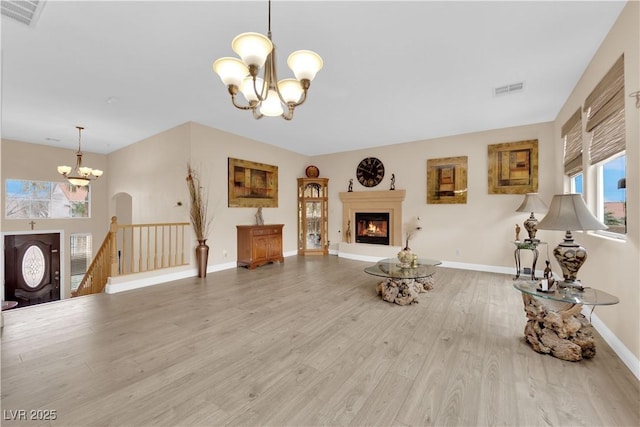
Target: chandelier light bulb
305,64
290,90
253,48
230,70
271,106
63,170
248,90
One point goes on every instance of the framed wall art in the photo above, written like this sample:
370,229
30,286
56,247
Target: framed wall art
513,167
447,180
252,185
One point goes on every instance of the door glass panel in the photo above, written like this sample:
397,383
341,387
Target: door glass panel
33,266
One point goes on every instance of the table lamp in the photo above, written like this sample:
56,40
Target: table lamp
532,203
569,212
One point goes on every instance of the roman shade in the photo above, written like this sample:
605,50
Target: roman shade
605,115
572,136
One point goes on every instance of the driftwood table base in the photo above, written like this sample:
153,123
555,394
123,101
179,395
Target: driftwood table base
404,291
558,329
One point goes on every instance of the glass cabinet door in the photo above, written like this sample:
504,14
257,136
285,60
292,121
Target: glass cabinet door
314,224
312,216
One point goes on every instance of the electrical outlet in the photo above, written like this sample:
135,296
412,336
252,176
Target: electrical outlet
458,252
225,253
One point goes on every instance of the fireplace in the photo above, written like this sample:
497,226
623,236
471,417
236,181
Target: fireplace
386,201
372,228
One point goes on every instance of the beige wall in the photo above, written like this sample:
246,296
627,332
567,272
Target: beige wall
39,162
478,232
613,265
153,172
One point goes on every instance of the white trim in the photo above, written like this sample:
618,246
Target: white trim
148,278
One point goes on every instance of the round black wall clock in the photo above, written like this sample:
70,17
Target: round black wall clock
370,172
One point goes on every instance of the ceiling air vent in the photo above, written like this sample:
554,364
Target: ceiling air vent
23,11
508,89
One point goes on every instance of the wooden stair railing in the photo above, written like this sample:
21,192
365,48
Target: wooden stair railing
134,248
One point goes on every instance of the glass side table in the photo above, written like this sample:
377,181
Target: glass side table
530,246
402,285
555,323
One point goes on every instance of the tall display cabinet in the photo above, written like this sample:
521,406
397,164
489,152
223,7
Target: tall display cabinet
313,216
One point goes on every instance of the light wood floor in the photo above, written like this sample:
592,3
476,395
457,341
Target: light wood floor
304,343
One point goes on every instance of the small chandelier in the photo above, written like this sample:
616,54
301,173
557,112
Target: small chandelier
266,96
81,175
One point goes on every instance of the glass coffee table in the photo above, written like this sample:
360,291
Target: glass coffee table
402,285
555,323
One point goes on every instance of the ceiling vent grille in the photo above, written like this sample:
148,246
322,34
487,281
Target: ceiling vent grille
508,89
23,11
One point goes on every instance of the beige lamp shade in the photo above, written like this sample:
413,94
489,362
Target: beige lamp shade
570,212
532,203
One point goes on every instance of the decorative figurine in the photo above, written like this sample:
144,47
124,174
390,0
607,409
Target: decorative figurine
259,219
393,182
517,232
547,271
547,281
348,232
350,186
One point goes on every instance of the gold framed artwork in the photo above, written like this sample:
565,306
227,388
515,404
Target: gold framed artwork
513,167
447,180
252,185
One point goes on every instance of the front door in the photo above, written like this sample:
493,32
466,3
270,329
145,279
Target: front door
32,268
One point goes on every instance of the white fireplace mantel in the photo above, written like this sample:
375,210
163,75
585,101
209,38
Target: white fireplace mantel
389,201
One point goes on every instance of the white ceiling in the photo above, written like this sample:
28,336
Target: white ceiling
394,71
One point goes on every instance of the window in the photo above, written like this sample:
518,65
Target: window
26,199
80,258
576,183
613,212
605,121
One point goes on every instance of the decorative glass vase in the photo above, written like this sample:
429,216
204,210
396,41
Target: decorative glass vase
405,257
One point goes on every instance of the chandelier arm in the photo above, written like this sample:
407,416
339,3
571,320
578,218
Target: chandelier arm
289,115
256,114
238,106
302,99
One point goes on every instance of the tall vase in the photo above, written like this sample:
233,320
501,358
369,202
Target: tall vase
202,257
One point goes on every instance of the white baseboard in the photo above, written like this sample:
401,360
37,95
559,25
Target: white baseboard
141,280
627,357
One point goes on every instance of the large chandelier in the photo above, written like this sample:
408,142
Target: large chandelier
266,96
81,175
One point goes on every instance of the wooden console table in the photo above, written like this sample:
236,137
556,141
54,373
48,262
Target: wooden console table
259,244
